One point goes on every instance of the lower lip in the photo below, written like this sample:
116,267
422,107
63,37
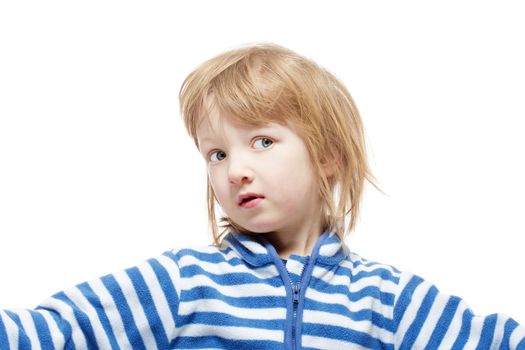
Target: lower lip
252,203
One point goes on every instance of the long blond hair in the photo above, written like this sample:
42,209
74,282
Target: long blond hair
264,82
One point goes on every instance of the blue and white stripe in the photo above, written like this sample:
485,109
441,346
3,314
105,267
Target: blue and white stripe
239,296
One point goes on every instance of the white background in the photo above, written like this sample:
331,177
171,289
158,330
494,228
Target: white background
97,173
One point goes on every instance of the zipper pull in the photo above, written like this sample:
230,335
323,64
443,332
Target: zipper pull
296,290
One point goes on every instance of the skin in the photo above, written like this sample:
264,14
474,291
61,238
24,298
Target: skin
272,161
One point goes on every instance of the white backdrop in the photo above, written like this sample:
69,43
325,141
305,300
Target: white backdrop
97,173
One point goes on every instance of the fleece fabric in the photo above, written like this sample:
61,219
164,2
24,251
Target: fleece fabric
242,295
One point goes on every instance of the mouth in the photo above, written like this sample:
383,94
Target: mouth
249,200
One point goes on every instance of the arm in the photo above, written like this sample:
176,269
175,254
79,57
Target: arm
426,318
131,309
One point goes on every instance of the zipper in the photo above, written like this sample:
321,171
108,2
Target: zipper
296,290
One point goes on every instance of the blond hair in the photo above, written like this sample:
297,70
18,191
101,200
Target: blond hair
264,82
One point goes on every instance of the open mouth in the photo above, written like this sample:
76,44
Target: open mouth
250,202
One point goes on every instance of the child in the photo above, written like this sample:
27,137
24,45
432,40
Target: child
286,161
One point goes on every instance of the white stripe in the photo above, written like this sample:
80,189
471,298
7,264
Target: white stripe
232,254
159,300
139,316
66,313
411,311
329,249
295,267
385,286
237,290
232,333
173,271
83,304
220,268
56,335
366,303
328,344
235,251
330,319
111,312
255,247
498,331
429,325
476,324
30,329
349,264
518,334
329,276
11,329
453,330
215,305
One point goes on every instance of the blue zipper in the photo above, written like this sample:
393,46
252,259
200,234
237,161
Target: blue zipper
296,290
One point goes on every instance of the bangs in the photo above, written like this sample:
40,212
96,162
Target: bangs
253,88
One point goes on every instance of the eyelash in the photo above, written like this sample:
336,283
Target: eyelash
255,139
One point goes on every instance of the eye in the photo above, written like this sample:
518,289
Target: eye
266,141
216,152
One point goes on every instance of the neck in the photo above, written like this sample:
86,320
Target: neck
296,241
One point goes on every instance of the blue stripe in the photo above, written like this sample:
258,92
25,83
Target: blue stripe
42,330
224,319
444,323
365,262
510,325
375,317
82,320
23,340
464,332
63,325
130,326
223,343
339,332
167,287
205,292
94,300
487,332
4,341
422,313
521,345
148,305
385,274
206,257
234,279
229,279
404,300
370,291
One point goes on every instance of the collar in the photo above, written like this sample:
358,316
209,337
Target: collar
256,250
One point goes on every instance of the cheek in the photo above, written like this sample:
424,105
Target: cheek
217,184
292,180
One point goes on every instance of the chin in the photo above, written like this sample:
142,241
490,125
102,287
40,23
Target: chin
259,228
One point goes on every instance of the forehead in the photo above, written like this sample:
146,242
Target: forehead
212,121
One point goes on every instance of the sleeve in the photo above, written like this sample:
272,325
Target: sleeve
132,309
425,318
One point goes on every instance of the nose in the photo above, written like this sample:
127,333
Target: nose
239,171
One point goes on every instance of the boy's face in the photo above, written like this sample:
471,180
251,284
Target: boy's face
270,161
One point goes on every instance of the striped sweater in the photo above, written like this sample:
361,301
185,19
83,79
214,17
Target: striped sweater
243,296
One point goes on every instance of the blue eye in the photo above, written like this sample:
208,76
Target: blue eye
267,142
265,139
214,152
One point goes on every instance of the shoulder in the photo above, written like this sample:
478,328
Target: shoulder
375,274
364,268
191,255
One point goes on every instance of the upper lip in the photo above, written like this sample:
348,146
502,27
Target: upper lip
248,194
